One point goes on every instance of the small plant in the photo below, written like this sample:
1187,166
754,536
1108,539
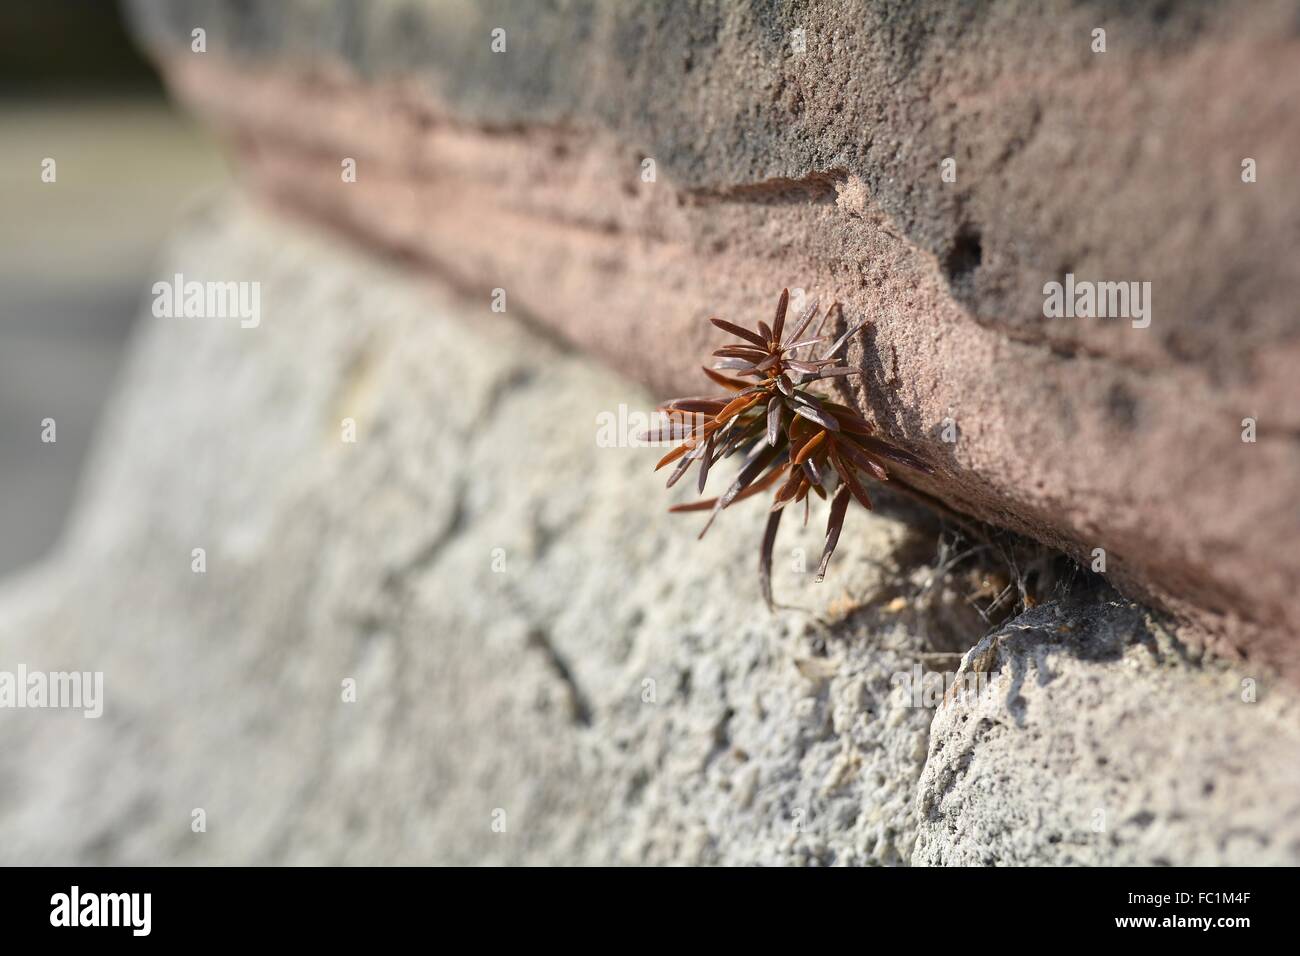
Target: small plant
790,437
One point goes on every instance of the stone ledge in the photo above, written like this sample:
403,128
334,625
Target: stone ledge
501,588
820,171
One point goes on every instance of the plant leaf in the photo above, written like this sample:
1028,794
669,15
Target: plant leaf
807,447
767,481
839,504
850,419
779,322
682,465
798,345
860,458
758,459
736,406
765,558
805,318
736,364
787,491
673,431
706,461
806,368
702,406
726,381
741,351
739,332
849,478
673,455
811,470
816,415
839,343
774,419
887,451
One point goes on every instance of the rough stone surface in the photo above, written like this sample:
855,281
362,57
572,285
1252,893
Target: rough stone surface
821,170
521,686
1097,740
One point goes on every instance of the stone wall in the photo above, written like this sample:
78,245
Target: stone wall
533,642
472,634
802,145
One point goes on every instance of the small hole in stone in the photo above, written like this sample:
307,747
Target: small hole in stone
966,254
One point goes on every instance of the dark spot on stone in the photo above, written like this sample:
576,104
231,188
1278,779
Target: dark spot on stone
1143,819
965,256
1122,406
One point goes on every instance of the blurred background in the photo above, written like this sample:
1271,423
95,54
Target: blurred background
76,258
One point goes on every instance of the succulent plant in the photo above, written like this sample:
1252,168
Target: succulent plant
790,438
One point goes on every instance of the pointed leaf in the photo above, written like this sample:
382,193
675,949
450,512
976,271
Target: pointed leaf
680,470
673,431
855,455
702,406
739,332
805,318
706,461
839,343
798,345
806,368
742,483
767,481
759,459
747,352
887,451
849,419
725,381
765,557
736,406
787,491
673,455
736,364
807,448
779,322
774,419
849,478
839,504
820,417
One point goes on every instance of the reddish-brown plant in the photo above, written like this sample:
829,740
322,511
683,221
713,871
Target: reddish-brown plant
791,439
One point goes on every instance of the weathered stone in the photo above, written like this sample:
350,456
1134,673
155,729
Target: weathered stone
1098,740
821,170
515,680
